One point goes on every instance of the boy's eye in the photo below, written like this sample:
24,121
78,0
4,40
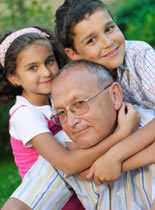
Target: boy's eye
110,28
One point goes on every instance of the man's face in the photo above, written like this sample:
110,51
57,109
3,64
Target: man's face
97,38
98,122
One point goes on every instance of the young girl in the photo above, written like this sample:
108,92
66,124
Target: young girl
28,65
89,32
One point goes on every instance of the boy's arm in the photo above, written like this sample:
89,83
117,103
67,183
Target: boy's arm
142,158
136,142
108,167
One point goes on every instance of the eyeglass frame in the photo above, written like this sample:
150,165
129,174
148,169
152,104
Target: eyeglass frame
56,115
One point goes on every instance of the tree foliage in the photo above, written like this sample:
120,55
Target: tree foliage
136,19
16,14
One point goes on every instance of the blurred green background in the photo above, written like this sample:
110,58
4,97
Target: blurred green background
136,18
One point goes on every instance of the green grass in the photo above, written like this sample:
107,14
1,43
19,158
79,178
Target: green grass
9,179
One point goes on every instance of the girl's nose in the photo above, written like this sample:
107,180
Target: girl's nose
46,71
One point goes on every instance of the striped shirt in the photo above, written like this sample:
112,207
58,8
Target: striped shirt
137,74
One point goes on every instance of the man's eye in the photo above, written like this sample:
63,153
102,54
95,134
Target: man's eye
61,113
79,104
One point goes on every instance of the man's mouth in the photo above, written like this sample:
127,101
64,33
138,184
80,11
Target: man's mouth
80,132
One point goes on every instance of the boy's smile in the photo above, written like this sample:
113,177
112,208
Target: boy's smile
97,38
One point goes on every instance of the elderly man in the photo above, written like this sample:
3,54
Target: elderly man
87,101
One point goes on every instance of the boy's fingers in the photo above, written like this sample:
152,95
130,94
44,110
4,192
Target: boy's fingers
90,174
83,174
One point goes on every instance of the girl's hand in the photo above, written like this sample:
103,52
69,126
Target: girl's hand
105,169
128,119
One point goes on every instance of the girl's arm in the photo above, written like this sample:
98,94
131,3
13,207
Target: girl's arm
74,161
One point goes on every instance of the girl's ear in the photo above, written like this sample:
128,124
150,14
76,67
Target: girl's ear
72,54
12,78
116,94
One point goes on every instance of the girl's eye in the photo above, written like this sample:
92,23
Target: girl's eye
91,41
33,68
50,60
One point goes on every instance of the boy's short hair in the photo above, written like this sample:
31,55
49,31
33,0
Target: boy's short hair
69,14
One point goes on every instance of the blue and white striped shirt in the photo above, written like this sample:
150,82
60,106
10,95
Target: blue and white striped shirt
137,74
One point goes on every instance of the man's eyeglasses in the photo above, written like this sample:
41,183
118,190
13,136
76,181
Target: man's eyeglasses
78,108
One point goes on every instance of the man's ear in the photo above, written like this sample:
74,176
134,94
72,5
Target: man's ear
116,95
72,54
12,78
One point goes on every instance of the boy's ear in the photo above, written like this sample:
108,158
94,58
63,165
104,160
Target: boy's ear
12,78
72,54
116,95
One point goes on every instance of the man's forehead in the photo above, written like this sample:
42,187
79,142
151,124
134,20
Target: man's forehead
74,77
72,86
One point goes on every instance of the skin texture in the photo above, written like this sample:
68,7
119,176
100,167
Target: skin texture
102,42
90,128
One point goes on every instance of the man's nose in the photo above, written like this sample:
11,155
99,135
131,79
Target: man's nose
72,119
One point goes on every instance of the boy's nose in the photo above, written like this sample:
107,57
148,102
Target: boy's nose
106,41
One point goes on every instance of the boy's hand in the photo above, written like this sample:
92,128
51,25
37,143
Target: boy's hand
128,119
83,175
105,169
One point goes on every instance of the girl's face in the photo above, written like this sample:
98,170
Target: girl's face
35,69
97,38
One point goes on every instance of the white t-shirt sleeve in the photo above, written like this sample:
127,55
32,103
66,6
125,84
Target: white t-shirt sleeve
26,123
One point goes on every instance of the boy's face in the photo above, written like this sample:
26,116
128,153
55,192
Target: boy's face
97,38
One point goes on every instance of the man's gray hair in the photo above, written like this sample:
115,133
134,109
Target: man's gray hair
104,76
